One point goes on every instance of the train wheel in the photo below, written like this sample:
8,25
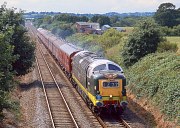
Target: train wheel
88,102
74,85
95,110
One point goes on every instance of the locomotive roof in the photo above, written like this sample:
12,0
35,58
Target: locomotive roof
86,58
84,54
69,48
103,61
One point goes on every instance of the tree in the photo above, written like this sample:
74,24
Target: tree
84,19
167,15
143,40
6,74
110,38
47,19
94,18
114,19
102,20
7,58
69,19
15,47
23,47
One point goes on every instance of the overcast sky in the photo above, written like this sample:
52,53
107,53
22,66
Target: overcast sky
88,6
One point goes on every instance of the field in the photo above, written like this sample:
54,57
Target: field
174,39
128,30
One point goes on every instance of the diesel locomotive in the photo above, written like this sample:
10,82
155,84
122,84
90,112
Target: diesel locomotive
100,81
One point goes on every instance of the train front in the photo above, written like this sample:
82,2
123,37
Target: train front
109,85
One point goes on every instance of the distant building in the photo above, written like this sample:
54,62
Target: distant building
105,27
88,28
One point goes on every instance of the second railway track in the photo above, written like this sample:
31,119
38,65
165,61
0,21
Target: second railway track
60,113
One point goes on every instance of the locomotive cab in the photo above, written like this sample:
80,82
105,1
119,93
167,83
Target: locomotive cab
109,83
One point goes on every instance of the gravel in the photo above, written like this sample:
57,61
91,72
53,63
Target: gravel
32,103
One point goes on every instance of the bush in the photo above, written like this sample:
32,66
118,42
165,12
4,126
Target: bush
115,53
156,78
167,46
110,38
143,40
87,42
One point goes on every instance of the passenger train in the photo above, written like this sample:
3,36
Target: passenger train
99,81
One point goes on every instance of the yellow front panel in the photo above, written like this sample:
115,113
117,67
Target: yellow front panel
107,91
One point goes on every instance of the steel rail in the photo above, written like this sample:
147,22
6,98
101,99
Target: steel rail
65,102
44,90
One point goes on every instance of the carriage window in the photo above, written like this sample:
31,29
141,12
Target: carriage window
100,67
113,67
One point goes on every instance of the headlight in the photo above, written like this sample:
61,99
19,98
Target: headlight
98,97
99,104
123,103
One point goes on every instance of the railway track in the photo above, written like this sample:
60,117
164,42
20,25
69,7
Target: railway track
111,121
59,111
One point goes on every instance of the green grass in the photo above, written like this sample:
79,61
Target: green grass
114,53
174,39
128,30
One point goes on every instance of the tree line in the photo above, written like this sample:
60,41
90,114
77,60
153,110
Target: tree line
63,24
144,39
16,52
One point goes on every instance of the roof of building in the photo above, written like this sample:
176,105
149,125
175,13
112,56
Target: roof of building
107,26
87,23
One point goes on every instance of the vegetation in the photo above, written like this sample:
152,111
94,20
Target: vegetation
127,21
60,25
88,42
102,20
110,38
174,31
167,15
95,43
16,52
115,53
143,40
159,82
167,46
